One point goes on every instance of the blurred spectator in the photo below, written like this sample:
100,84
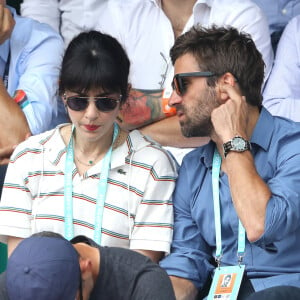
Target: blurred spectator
68,17
282,92
15,4
30,58
279,13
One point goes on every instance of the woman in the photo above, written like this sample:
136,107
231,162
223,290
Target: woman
90,177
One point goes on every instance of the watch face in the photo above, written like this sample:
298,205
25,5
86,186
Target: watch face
238,144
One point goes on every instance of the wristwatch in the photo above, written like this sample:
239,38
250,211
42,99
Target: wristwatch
237,144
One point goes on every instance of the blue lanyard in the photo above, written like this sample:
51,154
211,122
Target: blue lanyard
101,195
217,160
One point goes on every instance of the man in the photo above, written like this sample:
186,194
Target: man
251,165
30,57
226,280
46,266
147,30
41,267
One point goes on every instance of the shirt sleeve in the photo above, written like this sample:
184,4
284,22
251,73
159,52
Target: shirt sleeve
282,92
153,224
190,254
283,209
39,66
16,200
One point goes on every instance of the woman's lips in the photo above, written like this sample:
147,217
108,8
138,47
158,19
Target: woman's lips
91,127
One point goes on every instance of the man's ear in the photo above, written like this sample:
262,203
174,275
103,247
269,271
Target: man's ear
85,267
225,79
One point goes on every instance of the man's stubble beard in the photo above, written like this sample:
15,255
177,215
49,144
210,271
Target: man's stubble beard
198,122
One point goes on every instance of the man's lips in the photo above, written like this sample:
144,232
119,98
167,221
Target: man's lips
91,127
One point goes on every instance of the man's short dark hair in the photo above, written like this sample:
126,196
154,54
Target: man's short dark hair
225,49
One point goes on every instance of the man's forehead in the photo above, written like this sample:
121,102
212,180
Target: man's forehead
186,63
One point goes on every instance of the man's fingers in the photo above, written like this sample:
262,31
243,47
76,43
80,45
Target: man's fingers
232,91
7,24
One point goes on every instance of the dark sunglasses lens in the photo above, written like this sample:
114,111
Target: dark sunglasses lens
176,85
77,104
106,104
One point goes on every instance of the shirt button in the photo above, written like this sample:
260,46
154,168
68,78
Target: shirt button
284,11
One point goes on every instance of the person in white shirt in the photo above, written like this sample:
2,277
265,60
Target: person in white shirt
68,17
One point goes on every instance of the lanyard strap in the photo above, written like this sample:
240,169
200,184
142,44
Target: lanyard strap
216,166
101,195
6,70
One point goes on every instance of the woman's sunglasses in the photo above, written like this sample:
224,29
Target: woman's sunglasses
103,104
179,83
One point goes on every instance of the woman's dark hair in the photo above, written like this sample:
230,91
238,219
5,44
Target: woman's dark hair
220,50
94,61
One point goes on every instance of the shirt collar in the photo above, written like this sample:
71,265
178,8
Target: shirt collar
207,2
56,150
263,130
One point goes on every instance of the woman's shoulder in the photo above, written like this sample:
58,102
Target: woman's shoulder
37,143
147,149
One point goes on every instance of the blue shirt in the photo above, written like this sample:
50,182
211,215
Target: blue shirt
36,52
276,150
279,12
282,91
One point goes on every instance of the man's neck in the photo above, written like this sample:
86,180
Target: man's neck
178,12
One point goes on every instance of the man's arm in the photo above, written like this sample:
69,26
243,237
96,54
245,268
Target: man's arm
12,243
7,24
250,194
144,111
184,289
13,124
155,256
167,132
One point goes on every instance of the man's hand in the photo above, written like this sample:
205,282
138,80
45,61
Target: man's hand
5,154
184,289
13,124
231,118
7,24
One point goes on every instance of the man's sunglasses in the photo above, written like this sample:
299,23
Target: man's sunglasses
179,83
104,104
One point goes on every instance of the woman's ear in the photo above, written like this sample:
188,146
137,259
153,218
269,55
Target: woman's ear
225,79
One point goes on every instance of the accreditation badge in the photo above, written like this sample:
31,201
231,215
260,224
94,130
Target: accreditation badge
226,283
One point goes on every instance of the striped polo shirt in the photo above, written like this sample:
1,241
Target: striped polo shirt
138,211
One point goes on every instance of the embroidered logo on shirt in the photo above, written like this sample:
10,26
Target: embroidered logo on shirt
121,171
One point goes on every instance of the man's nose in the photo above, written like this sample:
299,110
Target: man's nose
174,99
